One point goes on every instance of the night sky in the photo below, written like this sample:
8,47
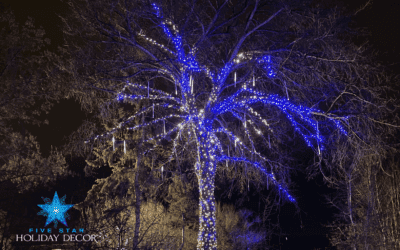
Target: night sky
382,20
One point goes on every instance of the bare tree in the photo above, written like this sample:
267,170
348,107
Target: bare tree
232,83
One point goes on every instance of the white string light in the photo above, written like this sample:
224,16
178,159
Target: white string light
202,126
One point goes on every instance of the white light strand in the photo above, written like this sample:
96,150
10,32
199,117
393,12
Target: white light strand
180,126
202,122
155,121
236,139
138,86
259,117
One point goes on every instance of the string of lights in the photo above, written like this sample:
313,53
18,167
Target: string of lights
197,121
270,176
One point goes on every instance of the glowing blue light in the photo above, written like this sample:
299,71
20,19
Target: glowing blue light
202,123
265,62
270,176
55,210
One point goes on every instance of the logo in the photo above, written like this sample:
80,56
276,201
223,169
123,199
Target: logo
55,211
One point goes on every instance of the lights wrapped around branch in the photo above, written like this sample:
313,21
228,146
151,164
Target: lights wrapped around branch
198,120
270,176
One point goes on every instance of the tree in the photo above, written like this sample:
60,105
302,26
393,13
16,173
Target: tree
109,211
27,89
368,193
233,83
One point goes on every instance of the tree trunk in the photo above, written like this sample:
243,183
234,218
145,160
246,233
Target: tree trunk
350,211
207,237
137,205
183,232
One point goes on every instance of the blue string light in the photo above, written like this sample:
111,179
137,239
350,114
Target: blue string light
200,121
266,63
270,176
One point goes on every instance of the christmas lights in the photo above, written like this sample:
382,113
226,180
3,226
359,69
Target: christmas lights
201,121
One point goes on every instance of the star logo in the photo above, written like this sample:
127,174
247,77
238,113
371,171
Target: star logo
55,210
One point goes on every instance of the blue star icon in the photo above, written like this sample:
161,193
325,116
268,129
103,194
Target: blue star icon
55,210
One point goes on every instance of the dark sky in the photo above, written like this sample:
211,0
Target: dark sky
43,12
381,18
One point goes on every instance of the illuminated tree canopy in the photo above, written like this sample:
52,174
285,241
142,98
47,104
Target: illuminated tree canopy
221,80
